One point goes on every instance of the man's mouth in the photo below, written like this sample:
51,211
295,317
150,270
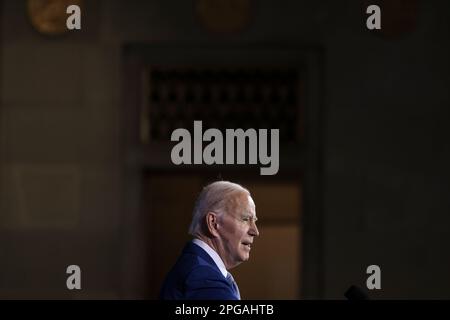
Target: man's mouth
247,244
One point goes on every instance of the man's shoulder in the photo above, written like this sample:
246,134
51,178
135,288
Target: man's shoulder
204,282
195,276
198,262
204,271
195,259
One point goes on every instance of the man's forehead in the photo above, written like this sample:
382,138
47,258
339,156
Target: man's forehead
250,206
242,200
251,202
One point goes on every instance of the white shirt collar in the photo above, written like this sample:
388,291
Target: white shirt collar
213,254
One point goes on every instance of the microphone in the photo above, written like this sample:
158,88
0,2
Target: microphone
356,293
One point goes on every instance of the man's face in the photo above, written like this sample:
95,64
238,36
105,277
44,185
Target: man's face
237,230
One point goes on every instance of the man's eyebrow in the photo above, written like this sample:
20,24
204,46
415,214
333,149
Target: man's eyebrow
248,215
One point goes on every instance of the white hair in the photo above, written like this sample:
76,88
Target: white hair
214,197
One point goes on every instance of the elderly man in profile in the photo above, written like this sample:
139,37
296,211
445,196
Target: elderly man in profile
224,227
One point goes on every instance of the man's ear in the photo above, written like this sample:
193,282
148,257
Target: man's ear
212,223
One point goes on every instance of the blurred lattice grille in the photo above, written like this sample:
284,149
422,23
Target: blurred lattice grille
260,98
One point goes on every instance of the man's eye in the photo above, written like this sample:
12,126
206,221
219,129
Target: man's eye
246,219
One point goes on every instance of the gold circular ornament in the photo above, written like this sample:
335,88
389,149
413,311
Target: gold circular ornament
224,16
50,16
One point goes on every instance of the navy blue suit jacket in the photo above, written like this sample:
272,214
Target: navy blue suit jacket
195,276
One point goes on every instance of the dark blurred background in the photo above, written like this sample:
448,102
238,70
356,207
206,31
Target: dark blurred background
86,118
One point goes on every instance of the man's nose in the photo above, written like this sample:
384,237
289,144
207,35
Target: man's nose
253,229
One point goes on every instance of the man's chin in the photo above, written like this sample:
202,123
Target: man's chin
245,256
